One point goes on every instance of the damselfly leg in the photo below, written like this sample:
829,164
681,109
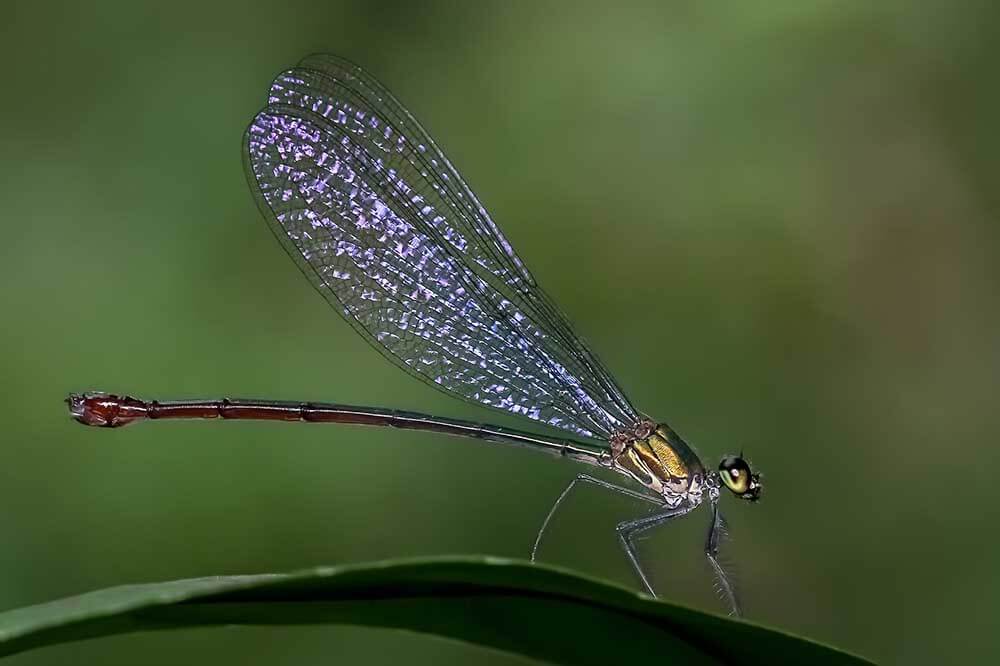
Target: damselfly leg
646,497
630,528
716,530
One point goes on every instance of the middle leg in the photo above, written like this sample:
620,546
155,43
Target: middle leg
629,529
586,478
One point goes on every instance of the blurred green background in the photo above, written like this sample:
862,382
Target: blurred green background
775,221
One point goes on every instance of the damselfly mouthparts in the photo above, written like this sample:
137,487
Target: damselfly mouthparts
389,233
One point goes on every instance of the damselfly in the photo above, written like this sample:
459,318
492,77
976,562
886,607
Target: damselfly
389,233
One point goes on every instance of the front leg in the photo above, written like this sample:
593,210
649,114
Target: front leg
715,531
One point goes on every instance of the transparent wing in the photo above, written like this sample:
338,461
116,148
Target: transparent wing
387,231
488,248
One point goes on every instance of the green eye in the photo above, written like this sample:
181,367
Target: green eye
735,473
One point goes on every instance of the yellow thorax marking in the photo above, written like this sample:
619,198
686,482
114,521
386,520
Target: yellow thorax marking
657,446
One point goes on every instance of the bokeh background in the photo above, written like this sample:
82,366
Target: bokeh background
776,221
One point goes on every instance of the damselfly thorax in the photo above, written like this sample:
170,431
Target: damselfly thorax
656,457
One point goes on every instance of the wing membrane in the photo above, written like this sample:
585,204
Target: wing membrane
386,229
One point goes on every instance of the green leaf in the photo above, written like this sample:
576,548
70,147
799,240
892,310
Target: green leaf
525,609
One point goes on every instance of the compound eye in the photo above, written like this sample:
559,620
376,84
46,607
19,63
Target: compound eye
735,473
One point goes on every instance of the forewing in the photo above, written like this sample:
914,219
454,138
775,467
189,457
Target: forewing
387,231
487,251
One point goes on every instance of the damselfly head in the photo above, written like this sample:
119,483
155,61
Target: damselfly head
736,475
